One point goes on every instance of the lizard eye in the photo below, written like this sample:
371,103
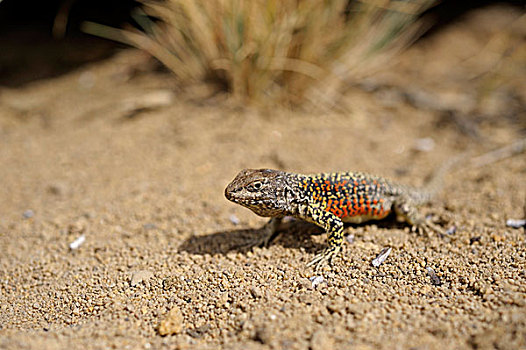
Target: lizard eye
255,186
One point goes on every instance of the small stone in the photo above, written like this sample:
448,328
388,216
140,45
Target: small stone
140,276
256,292
149,226
77,243
234,219
222,299
435,280
336,307
451,231
316,281
28,214
497,238
172,323
264,335
356,308
304,284
514,223
170,282
425,144
76,227
56,189
198,332
239,274
381,257
474,239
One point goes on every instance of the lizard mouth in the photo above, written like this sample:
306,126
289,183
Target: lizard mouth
237,195
242,200
249,202
238,198
231,195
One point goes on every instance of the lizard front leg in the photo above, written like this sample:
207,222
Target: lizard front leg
334,227
268,231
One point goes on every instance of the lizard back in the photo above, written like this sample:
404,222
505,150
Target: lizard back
352,196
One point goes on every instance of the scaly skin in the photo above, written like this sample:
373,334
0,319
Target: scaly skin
327,200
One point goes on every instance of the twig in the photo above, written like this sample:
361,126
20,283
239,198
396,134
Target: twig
499,154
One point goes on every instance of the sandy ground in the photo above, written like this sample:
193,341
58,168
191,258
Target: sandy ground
113,153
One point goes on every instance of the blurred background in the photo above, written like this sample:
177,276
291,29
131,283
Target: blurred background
46,39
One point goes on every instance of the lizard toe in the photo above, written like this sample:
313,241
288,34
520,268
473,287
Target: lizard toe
326,256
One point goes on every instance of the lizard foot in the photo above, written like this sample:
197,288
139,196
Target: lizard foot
427,227
262,241
407,212
325,256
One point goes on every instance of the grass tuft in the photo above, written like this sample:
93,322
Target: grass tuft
274,51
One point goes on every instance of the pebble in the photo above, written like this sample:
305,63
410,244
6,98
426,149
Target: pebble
198,332
234,219
425,144
256,292
151,100
56,189
474,239
28,214
170,282
140,276
451,231
172,323
515,223
316,281
381,257
435,280
264,335
78,242
149,226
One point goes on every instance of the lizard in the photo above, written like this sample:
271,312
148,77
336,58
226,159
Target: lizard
331,199
328,200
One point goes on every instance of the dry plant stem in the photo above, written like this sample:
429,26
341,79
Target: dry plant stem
142,41
499,154
61,19
276,51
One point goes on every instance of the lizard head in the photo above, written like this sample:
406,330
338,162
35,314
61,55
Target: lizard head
261,190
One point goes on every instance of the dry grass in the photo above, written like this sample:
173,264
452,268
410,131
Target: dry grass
286,51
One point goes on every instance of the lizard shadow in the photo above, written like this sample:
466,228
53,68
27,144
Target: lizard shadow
296,234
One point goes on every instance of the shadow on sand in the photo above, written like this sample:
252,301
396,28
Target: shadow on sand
295,234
